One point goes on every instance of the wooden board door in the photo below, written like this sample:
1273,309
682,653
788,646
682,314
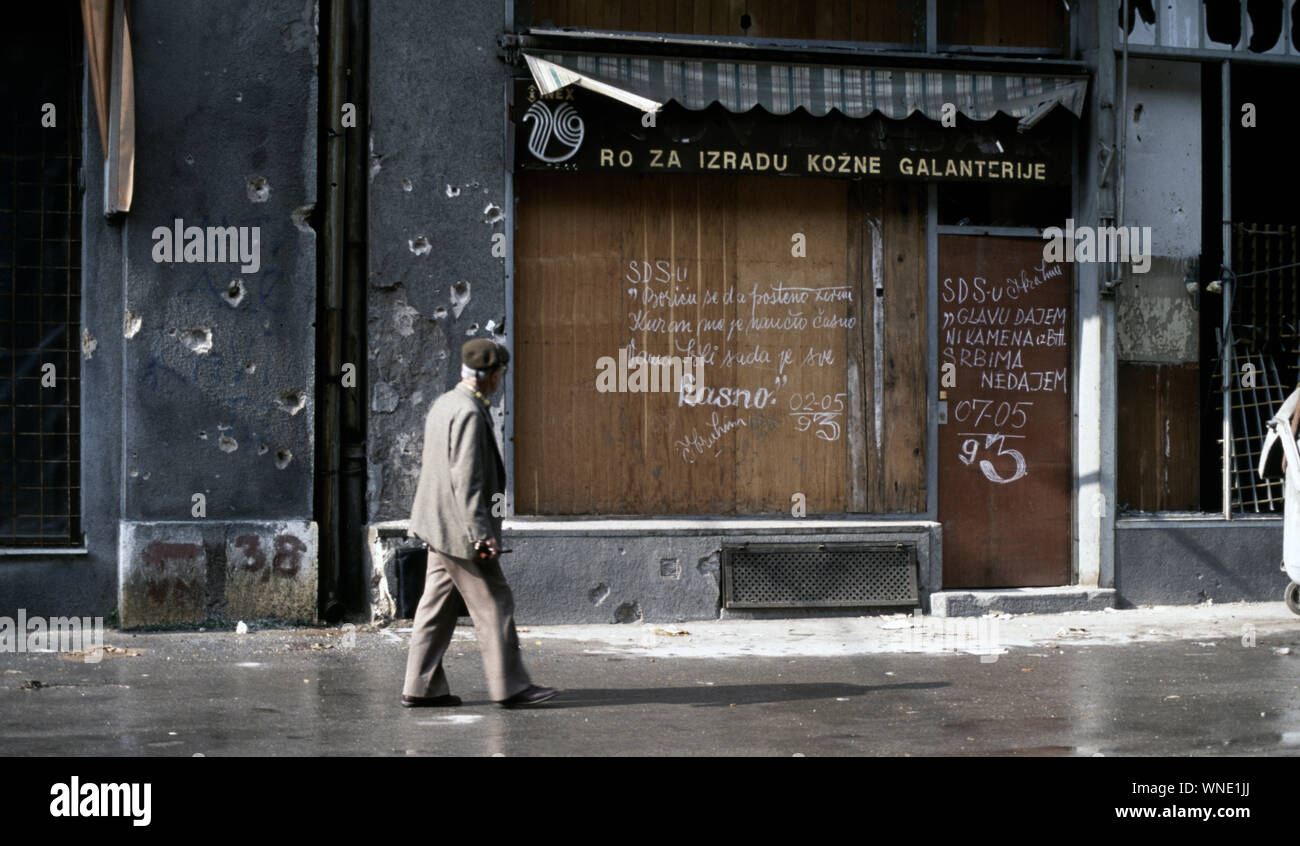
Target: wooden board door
1005,451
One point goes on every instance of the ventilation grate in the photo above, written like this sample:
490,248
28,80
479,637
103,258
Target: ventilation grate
820,576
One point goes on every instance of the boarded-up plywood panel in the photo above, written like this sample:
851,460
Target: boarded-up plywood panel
1005,451
893,21
797,307
897,293
991,23
1002,23
1158,437
707,266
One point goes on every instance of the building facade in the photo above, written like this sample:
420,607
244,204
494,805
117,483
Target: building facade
788,335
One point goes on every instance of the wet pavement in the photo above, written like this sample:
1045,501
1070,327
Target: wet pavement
1128,683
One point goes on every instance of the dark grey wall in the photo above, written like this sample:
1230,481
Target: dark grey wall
225,105
1170,564
576,575
437,117
225,94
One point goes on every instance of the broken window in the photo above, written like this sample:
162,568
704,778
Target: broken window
1173,347
1262,350
1257,26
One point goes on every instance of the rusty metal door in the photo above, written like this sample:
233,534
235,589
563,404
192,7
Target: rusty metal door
1005,456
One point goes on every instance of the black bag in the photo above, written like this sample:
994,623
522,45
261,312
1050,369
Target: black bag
1273,467
412,565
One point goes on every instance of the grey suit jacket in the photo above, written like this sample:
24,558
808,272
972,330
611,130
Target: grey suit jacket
460,472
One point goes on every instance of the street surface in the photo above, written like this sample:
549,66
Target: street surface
1165,681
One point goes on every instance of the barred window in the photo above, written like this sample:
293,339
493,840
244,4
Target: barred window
40,281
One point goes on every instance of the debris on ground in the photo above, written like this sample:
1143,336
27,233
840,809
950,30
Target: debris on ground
107,651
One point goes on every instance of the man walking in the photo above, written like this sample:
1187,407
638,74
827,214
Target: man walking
457,513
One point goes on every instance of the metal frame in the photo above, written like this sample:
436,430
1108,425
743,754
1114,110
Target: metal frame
1289,54
511,17
1045,60
1225,105
932,232
508,192
1076,399
1095,334
1191,54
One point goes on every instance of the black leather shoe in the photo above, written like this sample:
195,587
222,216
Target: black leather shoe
531,695
444,701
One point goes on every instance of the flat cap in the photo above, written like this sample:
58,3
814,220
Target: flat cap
482,354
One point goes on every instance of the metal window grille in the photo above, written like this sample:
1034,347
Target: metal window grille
1264,338
40,284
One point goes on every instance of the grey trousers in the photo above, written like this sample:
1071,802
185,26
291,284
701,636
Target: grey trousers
492,608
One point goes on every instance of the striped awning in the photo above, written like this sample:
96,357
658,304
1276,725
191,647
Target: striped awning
647,82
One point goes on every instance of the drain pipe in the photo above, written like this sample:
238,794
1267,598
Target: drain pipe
353,510
329,313
1123,128
1121,147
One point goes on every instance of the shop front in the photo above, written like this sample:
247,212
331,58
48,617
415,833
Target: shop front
756,365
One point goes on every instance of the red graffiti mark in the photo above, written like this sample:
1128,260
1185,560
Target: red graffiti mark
158,590
162,589
288,555
158,553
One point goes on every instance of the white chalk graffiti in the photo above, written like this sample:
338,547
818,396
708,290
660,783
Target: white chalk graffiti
970,449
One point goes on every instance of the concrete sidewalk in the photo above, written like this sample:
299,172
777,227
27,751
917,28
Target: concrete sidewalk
916,633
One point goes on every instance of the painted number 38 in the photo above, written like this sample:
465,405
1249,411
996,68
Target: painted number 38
970,451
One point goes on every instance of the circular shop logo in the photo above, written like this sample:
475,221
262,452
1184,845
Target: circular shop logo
561,129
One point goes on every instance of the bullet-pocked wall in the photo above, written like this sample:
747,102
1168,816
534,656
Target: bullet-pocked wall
215,320
437,231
